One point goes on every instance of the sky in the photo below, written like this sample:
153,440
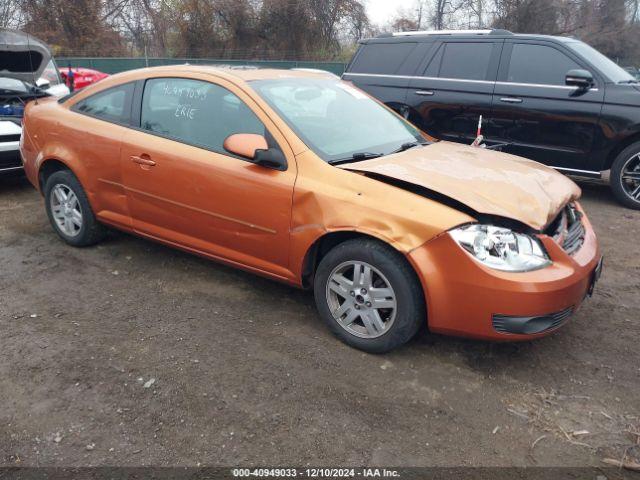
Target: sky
380,11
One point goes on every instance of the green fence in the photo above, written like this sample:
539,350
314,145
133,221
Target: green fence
120,64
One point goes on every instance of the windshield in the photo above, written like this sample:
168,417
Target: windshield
335,119
609,68
13,85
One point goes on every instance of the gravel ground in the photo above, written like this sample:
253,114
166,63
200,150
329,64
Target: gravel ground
130,353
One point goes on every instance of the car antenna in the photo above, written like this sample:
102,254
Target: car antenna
33,74
478,140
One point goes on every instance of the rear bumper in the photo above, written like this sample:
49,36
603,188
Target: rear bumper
465,298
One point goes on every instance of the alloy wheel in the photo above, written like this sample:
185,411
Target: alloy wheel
361,299
66,209
630,177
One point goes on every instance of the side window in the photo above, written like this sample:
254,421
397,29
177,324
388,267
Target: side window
112,105
538,64
381,58
434,65
195,112
468,61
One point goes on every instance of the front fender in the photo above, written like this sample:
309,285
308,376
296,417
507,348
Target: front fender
327,199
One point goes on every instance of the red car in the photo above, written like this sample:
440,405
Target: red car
82,77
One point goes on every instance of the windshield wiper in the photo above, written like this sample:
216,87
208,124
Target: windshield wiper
407,146
356,157
628,81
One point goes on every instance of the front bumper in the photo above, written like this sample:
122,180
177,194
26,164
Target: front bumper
9,157
10,131
466,298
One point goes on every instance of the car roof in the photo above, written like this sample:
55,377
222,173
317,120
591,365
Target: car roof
235,75
527,36
230,73
426,36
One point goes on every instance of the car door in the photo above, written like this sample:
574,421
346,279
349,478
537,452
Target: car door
542,118
97,140
454,86
184,188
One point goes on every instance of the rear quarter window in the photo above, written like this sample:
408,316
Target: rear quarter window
111,105
381,58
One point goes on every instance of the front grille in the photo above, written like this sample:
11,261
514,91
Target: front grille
575,235
10,138
10,159
530,325
560,317
567,229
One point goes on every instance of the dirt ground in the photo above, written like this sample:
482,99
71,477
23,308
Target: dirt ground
130,353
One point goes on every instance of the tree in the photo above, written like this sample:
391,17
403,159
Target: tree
527,16
302,29
10,14
79,26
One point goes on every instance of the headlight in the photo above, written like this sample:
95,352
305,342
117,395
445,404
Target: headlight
501,248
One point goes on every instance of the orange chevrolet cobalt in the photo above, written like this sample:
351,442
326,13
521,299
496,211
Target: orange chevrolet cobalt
305,179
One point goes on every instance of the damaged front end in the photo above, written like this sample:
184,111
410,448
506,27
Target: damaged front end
519,208
567,229
505,243
479,182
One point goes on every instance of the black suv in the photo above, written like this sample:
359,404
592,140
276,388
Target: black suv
555,100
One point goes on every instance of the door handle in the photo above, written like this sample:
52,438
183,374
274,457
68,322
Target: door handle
143,160
511,100
425,93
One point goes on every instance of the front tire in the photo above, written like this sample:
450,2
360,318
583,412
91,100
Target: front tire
625,177
369,296
69,211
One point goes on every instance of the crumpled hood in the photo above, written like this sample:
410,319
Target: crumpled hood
22,56
488,182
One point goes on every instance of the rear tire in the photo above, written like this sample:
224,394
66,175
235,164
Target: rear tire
369,295
69,211
625,177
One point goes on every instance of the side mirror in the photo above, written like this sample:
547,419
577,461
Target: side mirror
581,79
271,158
255,148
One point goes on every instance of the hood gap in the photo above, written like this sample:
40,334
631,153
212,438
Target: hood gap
496,220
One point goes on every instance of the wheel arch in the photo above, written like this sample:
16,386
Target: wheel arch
626,142
49,166
329,240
